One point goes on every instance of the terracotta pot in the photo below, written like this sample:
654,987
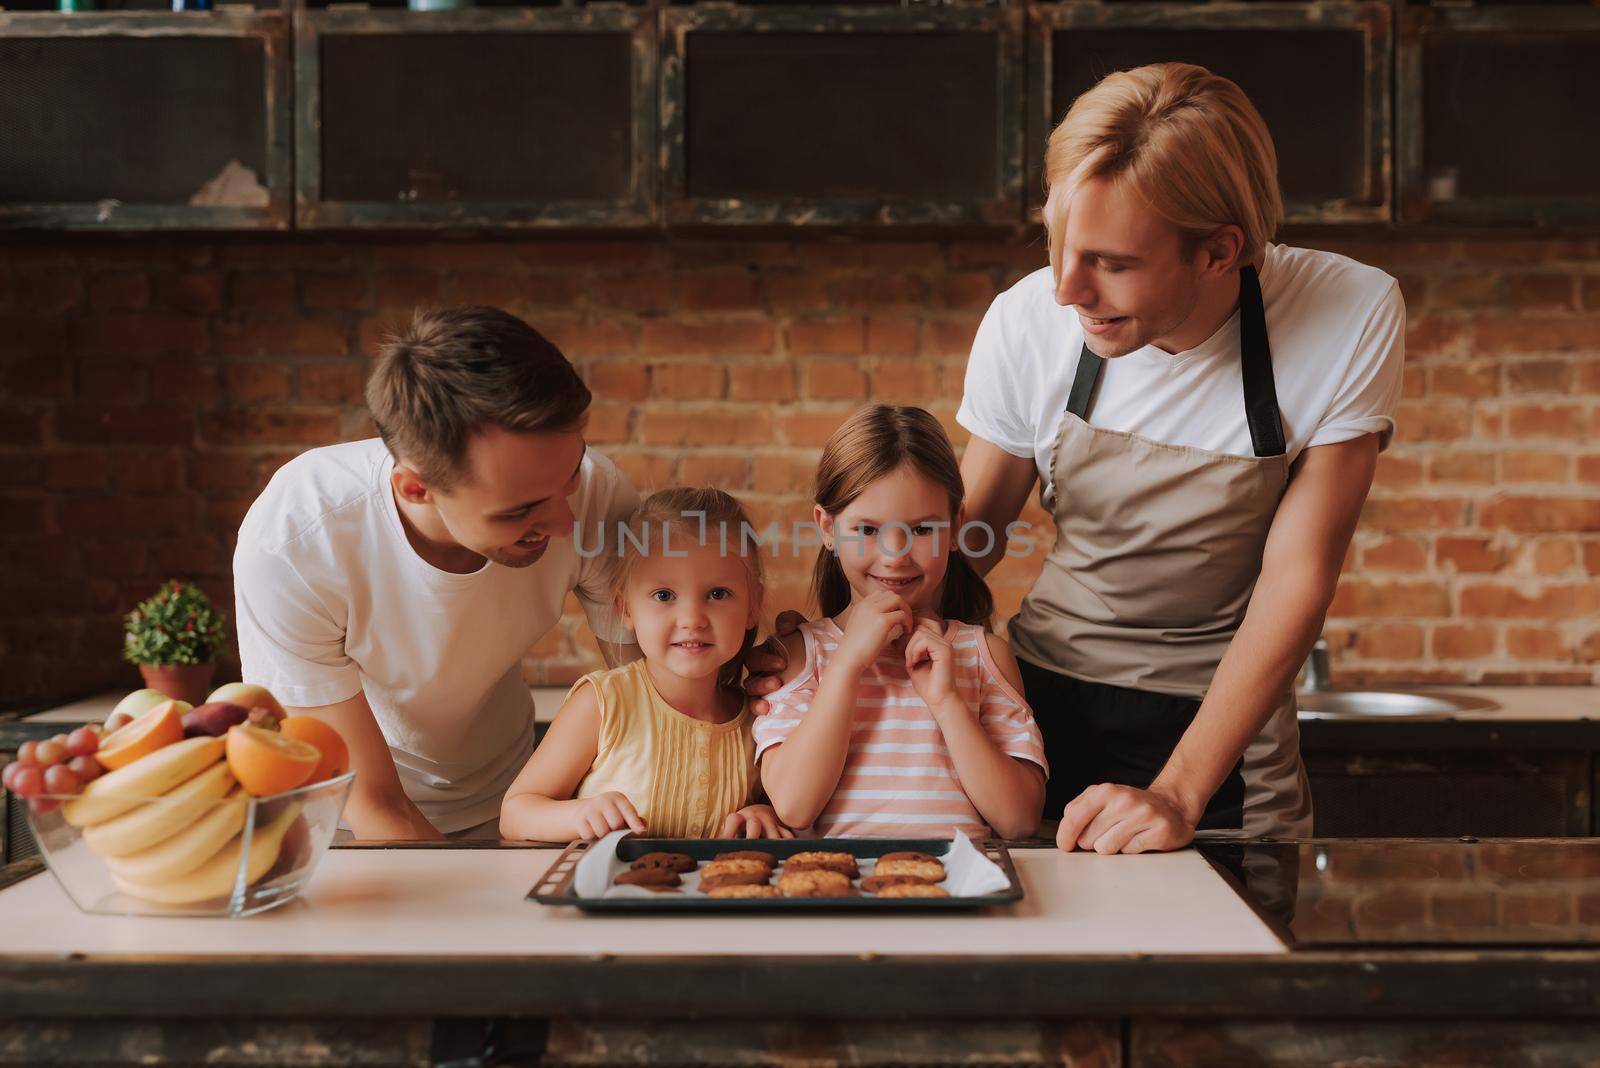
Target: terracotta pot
186,682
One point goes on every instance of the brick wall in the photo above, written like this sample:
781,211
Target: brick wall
149,387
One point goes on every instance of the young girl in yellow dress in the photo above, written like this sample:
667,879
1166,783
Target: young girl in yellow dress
661,746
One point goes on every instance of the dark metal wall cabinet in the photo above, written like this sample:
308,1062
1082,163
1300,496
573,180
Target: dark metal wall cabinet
844,116
1318,72
503,118
141,120
1498,108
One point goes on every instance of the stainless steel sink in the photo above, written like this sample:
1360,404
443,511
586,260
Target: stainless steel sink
1389,704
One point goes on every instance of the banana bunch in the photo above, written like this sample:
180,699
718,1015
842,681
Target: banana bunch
185,845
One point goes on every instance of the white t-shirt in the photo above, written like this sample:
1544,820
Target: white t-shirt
1336,328
331,599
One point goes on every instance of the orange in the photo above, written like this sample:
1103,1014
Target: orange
335,754
160,726
267,762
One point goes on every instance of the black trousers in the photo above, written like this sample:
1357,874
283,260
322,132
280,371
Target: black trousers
1096,733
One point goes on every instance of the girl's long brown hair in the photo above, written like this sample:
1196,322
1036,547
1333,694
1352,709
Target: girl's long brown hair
876,442
678,509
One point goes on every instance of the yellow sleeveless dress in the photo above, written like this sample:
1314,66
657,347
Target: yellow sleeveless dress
684,776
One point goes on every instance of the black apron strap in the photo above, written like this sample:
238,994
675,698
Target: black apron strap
1083,383
1255,354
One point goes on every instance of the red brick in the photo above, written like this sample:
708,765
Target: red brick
769,383
142,334
1420,513
1395,554
338,290
146,470
1397,472
718,337
640,296
725,471
1389,641
217,472
191,292
1435,336
20,426
497,290
1552,908
796,290
1543,292
46,291
1564,677
1473,291
905,381
331,383
447,256
845,336
403,288
198,557
107,424
271,426
1417,598
605,337
720,291
255,292
902,255
184,381
1027,255
1546,420
952,379
1589,468
44,378
75,470
1591,555
829,379
1479,378
120,291
1431,420
891,336
948,337
114,559
1518,335
1469,555
1536,643
782,474
880,291
1462,641
1527,251
255,383
111,380
811,428
1413,381
142,516
1475,468
1497,601
647,470
1543,514
559,256
964,290
1534,466
282,337
1591,292
689,381
718,426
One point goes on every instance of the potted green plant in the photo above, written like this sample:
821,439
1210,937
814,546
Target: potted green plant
174,637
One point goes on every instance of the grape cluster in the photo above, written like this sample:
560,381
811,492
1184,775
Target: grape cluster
44,772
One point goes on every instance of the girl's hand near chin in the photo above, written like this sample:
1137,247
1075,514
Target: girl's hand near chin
929,662
875,622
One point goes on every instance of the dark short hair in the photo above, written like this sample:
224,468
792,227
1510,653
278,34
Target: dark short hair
457,371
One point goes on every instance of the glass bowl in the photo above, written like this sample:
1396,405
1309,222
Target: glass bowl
184,856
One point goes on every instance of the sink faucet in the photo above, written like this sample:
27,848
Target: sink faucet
1318,677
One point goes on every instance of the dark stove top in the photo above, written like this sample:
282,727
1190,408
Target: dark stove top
1502,892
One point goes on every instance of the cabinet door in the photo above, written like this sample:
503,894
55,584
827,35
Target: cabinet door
842,116
1318,73
499,118
139,120
1449,793
1498,110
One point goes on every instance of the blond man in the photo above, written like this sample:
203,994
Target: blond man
1203,411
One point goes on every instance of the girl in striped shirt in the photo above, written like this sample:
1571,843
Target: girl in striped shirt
900,715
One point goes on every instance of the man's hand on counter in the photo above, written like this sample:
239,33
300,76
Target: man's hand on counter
1110,818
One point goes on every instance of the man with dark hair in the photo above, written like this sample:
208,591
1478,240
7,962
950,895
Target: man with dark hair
392,586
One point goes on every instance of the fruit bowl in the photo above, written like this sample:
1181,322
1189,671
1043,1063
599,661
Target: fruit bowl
204,849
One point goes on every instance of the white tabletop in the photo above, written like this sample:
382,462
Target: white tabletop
411,902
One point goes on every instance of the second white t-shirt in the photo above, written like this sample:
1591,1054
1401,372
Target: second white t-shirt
1337,332
332,600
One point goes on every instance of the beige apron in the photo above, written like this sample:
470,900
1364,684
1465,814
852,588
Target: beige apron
1157,551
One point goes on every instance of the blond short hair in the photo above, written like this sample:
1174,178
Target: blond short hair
1188,142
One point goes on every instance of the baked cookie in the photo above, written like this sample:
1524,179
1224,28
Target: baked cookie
913,889
650,878
925,868
816,860
744,890
815,882
733,873
750,854
678,862
873,884
907,855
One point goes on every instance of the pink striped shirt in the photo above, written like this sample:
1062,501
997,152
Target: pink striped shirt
899,780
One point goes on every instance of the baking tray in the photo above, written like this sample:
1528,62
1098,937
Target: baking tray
555,886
